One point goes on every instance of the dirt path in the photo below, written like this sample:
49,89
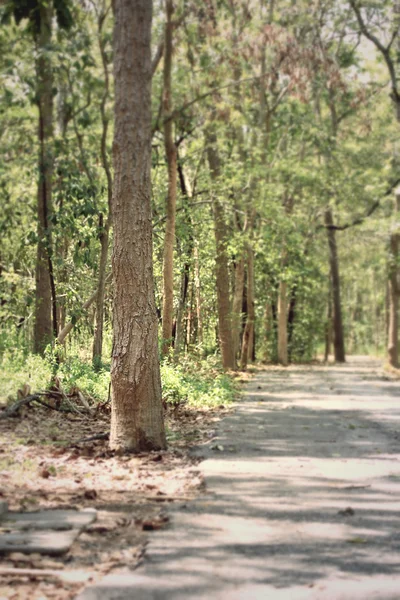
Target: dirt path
302,497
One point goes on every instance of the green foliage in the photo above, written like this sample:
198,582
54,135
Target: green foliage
295,152
30,10
196,383
200,384
74,372
17,369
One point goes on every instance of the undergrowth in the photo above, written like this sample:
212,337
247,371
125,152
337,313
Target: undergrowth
193,382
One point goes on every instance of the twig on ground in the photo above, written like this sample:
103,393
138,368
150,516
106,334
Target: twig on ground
92,438
14,408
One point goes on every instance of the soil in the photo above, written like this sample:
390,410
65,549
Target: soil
295,495
45,464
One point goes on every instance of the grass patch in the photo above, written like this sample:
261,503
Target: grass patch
193,382
197,383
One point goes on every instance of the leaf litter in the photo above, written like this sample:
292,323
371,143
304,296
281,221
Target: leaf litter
46,464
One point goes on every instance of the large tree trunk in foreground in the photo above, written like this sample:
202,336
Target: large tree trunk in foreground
338,337
393,353
171,156
137,414
221,261
44,328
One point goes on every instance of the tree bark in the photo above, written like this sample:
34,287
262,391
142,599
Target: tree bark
328,326
104,228
267,331
237,317
221,260
282,324
248,333
291,319
393,352
283,357
338,337
185,275
171,156
137,414
101,289
197,285
45,293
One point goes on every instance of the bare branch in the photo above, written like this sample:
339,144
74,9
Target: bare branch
359,220
157,57
384,50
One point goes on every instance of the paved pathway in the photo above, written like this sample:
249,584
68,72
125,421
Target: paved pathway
302,500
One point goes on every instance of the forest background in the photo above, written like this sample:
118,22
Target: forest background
274,176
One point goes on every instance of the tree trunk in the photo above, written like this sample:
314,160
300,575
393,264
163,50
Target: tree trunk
328,327
188,245
393,353
221,260
237,318
104,228
198,294
99,324
283,357
291,321
338,338
267,331
171,156
179,336
282,324
137,414
44,299
246,353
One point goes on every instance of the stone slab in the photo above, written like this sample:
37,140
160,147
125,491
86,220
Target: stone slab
50,519
53,543
45,532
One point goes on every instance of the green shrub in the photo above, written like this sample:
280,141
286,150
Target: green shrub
194,382
18,369
197,383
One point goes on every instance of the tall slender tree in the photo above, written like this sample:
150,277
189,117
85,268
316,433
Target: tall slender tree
137,414
221,259
171,156
40,14
389,51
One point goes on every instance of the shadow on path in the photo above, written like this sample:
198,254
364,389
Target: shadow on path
302,500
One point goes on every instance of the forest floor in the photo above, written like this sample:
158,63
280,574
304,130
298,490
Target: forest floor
301,497
44,464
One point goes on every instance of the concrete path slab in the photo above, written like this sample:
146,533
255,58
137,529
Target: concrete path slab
53,543
303,498
45,532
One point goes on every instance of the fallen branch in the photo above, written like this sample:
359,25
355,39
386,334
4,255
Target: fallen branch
14,408
92,438
168,498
